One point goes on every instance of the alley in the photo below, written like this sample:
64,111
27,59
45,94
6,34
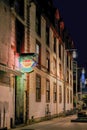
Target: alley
56,124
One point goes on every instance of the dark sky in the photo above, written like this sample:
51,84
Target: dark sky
74,14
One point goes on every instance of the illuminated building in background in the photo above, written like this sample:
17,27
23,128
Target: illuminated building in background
82,80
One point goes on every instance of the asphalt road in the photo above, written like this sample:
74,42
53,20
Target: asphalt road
56,124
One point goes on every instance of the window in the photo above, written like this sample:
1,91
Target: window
38,51
38,22
71,80
54,92
19,35
54,47
67,61
60,51
70,64
60,71
4,78
19,7
47,35
67,76
70,96
62,54
54,66
67,95
60,94
47,90
48,61
38,87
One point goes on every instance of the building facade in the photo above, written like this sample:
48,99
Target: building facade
7,66
48,90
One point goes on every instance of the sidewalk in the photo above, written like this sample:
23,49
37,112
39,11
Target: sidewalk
35,125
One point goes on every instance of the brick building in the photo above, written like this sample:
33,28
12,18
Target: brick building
33,27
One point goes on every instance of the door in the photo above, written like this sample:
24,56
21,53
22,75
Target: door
19,100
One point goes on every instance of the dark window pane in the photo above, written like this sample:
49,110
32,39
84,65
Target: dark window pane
38,87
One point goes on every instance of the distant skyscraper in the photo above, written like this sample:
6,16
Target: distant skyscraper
83,79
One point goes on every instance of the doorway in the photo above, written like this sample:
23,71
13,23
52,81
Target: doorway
19,100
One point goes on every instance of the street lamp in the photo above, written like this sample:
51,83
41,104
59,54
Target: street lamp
74,53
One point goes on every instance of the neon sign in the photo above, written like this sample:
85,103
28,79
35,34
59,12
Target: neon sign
26,63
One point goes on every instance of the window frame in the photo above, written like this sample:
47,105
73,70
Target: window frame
38,53
47,35
38,22
54,45
47,90
48,61
54,92
60,94
68,95
38,89
59,50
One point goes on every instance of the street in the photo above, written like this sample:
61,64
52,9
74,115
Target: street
62,123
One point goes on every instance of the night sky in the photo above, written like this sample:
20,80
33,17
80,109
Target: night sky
74,14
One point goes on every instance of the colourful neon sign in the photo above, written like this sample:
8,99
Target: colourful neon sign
26,63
